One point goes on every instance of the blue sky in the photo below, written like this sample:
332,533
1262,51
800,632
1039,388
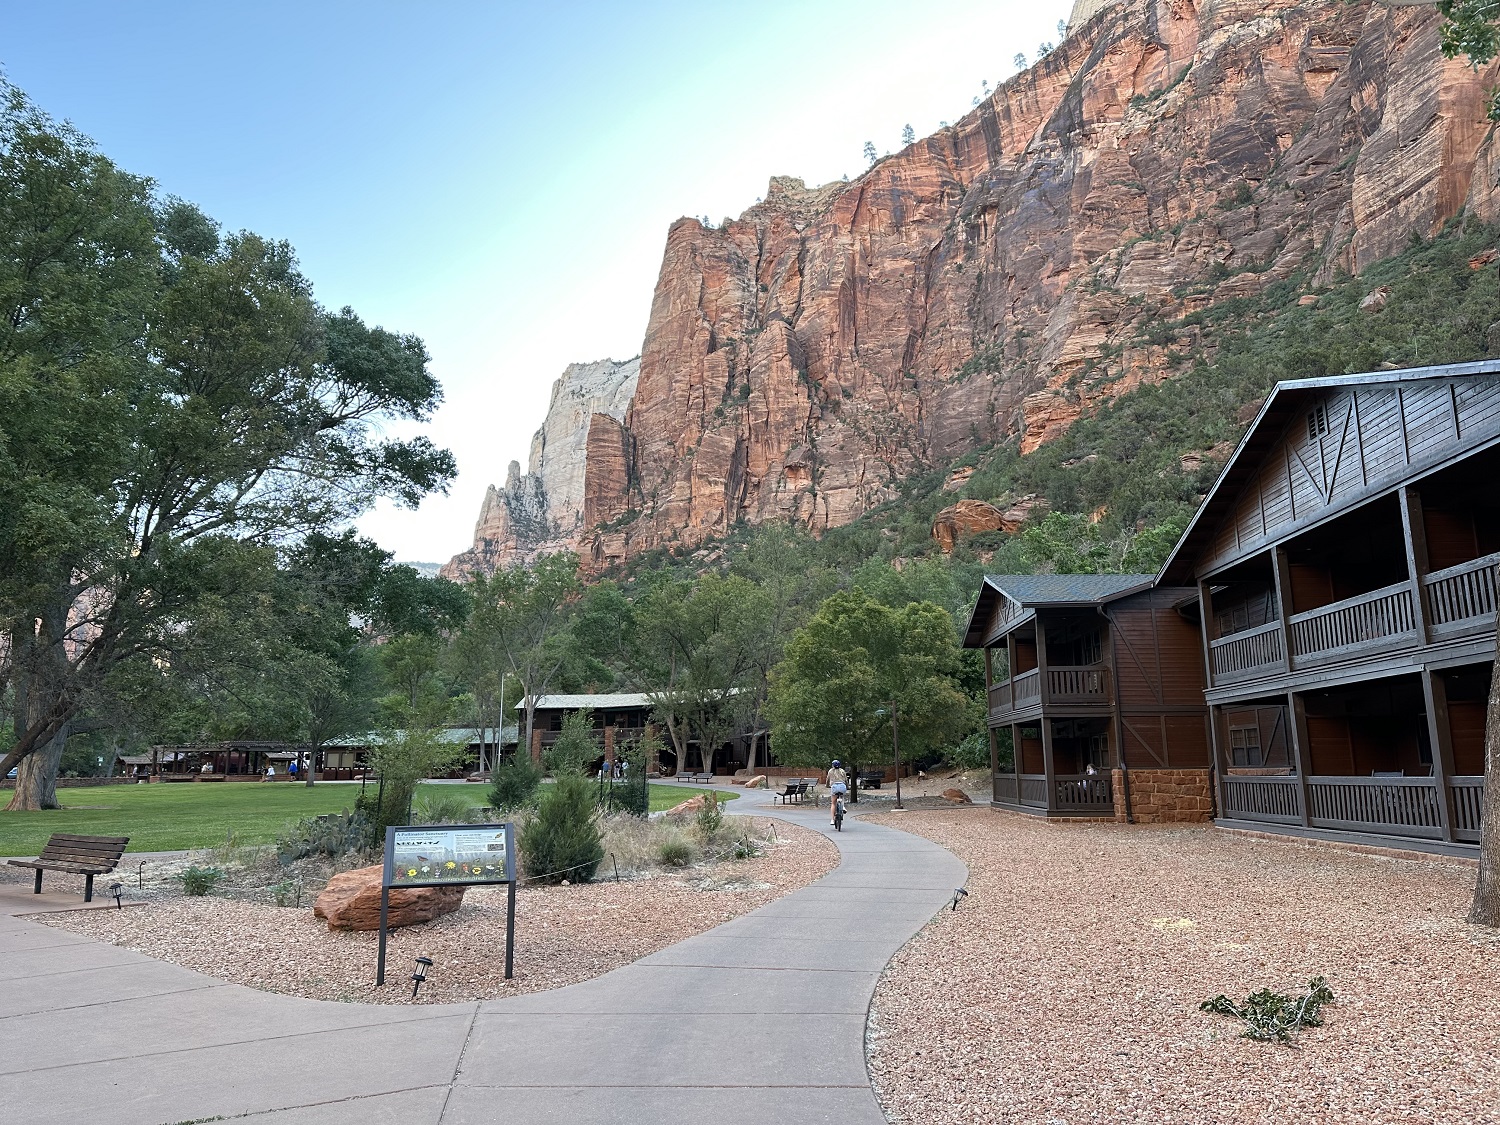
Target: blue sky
499,178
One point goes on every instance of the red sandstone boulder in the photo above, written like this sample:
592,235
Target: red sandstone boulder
756,782
351,901
691,806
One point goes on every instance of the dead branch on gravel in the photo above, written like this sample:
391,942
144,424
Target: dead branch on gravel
1273,1017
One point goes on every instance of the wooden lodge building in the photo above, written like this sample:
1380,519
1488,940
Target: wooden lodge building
1339,584
1099,679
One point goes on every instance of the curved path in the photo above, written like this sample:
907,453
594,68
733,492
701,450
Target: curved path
759,1020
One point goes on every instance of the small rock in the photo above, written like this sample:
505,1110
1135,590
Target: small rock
351,901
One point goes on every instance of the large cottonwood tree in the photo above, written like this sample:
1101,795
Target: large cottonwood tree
174,404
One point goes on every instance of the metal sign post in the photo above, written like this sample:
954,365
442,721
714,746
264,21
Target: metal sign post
449,855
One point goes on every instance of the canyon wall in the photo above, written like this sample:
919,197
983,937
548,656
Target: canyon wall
1000,277
541,510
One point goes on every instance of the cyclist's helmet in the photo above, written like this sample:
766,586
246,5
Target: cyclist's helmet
836,763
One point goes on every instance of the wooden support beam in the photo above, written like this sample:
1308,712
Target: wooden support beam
1281,570
1049,768
1301,750
1414,529
1440,739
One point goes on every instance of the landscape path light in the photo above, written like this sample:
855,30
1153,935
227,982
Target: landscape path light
418,977
117,889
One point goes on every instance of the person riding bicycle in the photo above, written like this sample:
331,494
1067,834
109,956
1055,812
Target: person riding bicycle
838,785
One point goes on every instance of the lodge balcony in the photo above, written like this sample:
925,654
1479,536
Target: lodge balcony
1078,689
1456,602
1406,807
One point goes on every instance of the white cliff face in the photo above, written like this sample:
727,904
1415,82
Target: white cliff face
1084,10
541,511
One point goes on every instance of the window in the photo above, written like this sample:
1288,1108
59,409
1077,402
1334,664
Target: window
1317,423
1244,747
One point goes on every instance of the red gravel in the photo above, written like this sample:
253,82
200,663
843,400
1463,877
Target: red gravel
1066,987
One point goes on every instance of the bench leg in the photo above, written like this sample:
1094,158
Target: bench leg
37,889
88,888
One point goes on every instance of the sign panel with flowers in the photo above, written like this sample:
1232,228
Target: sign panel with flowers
449,854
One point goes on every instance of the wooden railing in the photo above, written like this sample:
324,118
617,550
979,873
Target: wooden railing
1242,655
1007,788
1000,697
1027,687
1089,684
1034,790
1277,799
1084,793
1369,621
1396,806
1468,800
1461,597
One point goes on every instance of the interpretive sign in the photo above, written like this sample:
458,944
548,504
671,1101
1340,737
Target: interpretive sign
449,855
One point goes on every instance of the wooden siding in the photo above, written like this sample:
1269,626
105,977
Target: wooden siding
1347,444
1158,665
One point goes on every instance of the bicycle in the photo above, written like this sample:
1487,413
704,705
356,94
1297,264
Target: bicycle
838,814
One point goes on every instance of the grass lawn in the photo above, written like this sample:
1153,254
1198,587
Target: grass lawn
178,816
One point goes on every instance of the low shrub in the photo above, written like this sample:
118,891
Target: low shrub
332,835
198,881
563,841
446,807
288,892
674,851
710,817
514,783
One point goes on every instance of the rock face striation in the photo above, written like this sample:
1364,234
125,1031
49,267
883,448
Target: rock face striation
542,510
1003,276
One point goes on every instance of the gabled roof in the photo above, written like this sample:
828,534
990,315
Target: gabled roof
1286,400
1044,591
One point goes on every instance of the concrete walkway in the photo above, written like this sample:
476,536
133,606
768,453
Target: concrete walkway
759,1020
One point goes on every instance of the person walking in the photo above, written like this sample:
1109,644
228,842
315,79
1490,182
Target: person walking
838,785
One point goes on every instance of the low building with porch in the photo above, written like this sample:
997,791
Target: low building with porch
622,717
1098,680
1344,563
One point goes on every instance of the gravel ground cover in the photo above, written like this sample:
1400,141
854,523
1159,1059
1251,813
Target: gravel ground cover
564,934
1065,989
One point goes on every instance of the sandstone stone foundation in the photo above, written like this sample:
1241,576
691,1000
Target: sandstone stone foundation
1165,796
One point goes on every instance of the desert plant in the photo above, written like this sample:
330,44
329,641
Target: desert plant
334,834
674,851
710,817
575,747
562,841
288,892
514,782
1272,1017
443,808
198,881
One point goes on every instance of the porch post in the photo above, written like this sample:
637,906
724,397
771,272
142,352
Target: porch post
1281,569
1216,755
1301,749
1041,666
1415,538
1205,629
1440,738
1049,769
994,755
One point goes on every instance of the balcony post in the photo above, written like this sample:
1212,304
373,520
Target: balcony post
1206,628
1301,751
1440,739
1049,769
1282,571
1044,695
989,673
1414,529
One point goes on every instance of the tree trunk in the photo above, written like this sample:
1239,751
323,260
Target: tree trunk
1486,908
36,776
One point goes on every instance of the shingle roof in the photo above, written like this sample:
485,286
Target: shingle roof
1066,589
619,701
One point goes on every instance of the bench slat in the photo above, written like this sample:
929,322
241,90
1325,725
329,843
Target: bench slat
68,868
69,838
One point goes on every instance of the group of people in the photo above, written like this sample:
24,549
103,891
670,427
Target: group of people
619,769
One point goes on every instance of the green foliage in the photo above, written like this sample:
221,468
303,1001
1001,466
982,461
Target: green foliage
710,817
198,881
402,759
575,748
514,783
563,840
332,834
830,696
674,851
970,753
1273,1017
288,892
631,794
449,805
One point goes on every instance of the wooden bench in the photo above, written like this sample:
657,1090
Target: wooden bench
77,855
871,779
796,788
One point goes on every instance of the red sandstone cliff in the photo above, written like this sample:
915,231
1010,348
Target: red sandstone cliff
995,279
